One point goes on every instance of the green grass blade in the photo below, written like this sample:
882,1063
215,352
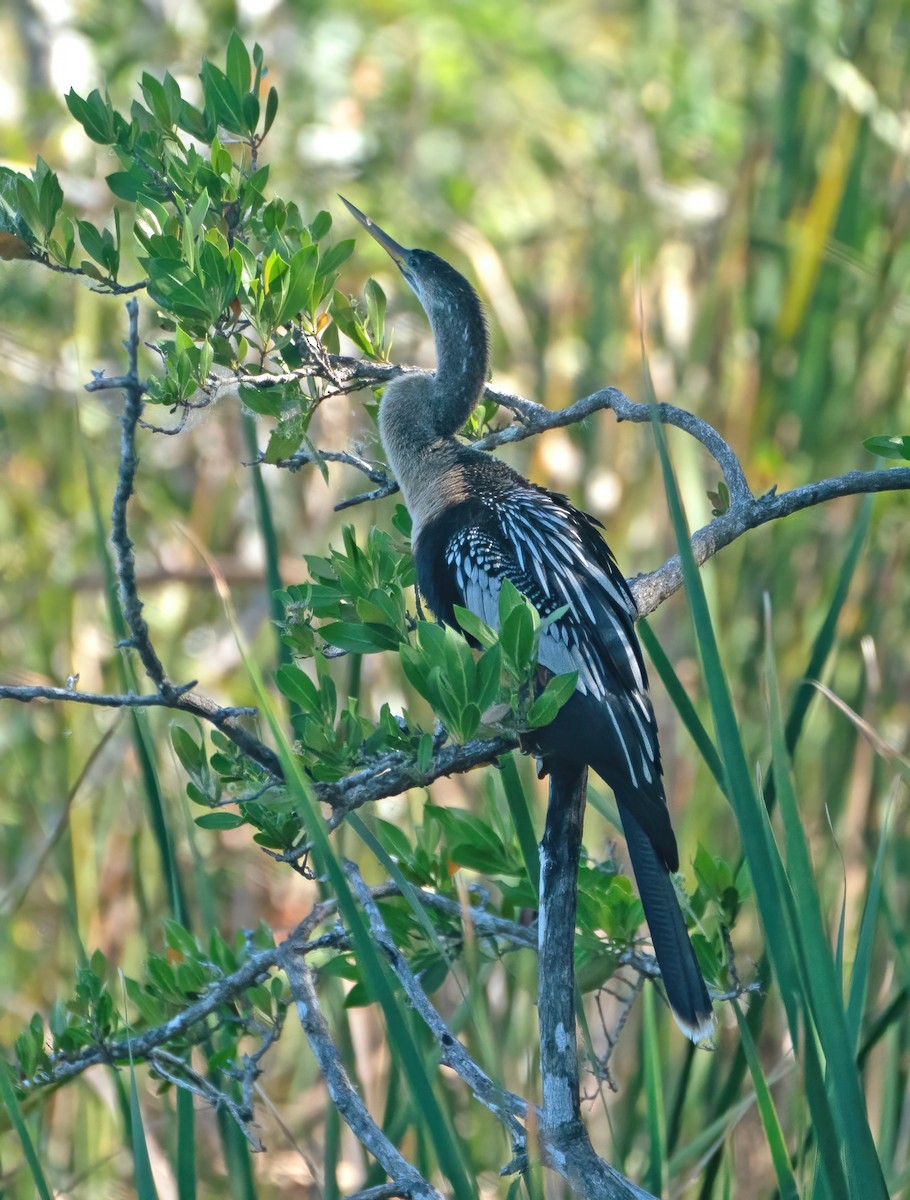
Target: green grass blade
520,812
821,648
8,1096
772,889
655,1177
853,1142
773,1133
331,1154
681,702
824,639
186,1145
145,1182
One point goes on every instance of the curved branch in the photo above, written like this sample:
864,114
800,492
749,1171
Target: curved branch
344,1095
504,1105
396,772
651,590
535,419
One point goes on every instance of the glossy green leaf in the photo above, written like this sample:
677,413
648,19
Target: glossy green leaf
889,447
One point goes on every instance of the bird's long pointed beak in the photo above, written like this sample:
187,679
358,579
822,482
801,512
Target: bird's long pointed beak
391,247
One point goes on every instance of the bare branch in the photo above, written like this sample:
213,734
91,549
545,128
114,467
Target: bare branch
535,419
168,694
181,1074
27,693
396,772
504,1105
562,1130
120,538
352,1109
141,1046
650,591
105,287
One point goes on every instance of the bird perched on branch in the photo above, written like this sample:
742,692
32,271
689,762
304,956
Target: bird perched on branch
477,522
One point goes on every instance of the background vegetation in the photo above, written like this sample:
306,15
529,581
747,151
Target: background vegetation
749,169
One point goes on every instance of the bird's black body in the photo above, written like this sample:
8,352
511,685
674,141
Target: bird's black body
478,522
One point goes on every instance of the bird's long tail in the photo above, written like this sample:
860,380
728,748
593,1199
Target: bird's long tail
679,967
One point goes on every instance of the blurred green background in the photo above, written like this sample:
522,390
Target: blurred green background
738,174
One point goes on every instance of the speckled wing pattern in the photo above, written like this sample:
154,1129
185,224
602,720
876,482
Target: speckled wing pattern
554,554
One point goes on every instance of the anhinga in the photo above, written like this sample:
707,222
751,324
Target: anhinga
477,522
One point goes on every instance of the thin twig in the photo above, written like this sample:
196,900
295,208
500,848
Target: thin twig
535,419
130,603
105,287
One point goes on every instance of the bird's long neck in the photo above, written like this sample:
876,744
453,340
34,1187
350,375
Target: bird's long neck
462,357
420,414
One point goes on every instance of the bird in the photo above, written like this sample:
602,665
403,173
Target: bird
477,522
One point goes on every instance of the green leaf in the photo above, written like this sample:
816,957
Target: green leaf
889,447
367,638
92,240
271,111
267,402
376,307
393,840
191,755
94,115
220,820
286,438
333,258
320,225
128,185
557,692
195,218
50,196
180,939
12,222
297,686
488,674
300,275
222,99
239,68
250,106
27,200
472,624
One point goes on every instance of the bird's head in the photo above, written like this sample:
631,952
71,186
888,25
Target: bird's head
437,285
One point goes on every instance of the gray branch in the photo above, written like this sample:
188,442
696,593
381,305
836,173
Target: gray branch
505,1105
397,771
562,1128
406,1178
565,1148
651,590
535,419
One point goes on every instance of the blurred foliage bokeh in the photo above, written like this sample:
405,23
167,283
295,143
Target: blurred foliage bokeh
738,175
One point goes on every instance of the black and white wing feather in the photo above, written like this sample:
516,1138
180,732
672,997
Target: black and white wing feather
555,555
